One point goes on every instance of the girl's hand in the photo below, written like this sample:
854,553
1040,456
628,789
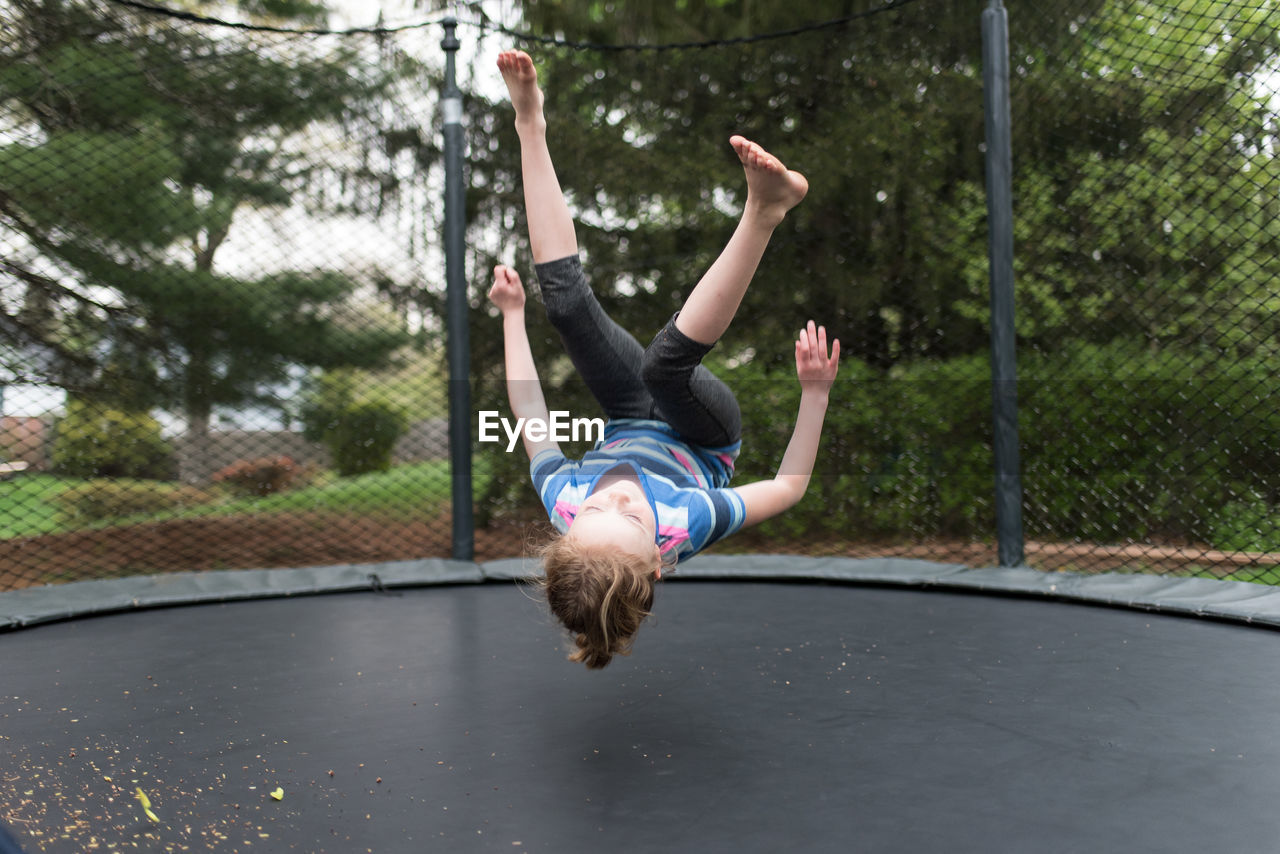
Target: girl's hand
507,292
815,369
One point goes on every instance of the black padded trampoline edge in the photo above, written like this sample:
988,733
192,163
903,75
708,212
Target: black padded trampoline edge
1233,601
51,603
1236,601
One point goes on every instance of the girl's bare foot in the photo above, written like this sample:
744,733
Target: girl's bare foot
772,189
522,85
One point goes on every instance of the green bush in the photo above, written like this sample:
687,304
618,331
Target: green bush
1247,525
360,437
96,441
1118,442
1123,443
100,500
365,437
903,454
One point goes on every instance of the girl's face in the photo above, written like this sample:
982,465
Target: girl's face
618,516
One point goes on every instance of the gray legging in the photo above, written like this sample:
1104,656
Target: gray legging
665,381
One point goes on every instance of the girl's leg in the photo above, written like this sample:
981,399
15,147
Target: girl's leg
606,356
772,190
694,401
689,397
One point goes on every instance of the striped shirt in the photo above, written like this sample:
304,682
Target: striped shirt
687,486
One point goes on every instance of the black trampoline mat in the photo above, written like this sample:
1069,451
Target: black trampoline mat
753,717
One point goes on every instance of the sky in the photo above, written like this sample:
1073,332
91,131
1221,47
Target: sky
363,13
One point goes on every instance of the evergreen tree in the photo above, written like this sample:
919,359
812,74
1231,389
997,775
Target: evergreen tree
1143,135
1146,180
133,145
1145,174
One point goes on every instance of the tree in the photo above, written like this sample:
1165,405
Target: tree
1146,191
1141,134
133,146
884,114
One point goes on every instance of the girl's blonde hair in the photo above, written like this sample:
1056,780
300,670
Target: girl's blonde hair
600,595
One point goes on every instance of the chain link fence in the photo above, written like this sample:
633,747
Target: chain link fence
1148,253
223,278
219,296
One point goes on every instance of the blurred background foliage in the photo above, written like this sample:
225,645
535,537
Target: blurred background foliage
221,247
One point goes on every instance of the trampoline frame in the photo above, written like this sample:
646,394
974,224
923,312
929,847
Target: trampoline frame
1235,601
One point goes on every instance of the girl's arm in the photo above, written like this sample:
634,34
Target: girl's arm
524,390
816,372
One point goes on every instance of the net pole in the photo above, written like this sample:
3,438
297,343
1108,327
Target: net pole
1004,377
458,342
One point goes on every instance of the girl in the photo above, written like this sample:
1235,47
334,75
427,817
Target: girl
656,488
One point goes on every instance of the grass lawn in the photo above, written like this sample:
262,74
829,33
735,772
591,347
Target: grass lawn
404,491
29,505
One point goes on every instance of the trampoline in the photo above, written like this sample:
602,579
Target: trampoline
771,704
